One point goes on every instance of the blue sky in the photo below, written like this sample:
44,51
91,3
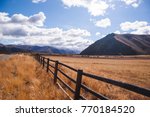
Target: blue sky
72,24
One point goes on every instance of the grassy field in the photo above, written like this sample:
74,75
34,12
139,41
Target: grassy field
130,70
22,78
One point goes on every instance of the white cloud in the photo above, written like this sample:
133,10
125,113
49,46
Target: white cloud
126,26
77,32
19,18
94,7
142,30
103,23
137,27
99,7
37,1
4,17
72,38
97,33
117,32
36,19
1,35
133,3
14,30
20,29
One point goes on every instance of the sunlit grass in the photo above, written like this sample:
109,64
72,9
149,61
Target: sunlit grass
21,77
133,71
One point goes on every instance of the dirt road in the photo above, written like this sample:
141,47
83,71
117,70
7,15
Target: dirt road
4,56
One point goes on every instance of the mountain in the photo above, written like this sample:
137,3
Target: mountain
38,49
120,44
10,49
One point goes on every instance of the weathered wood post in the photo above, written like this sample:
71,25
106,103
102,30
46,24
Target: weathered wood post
37,57
56,70
78,84
43,61
47,64
40,58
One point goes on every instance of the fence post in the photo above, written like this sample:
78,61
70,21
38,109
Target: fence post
47,64
43,62
78,84
41,59
38,57
35,56
56,70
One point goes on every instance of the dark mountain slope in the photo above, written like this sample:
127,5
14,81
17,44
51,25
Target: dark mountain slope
10,49
117,44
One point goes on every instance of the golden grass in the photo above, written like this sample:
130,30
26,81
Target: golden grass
133,71
22,78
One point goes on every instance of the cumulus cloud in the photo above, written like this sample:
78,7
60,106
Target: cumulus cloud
97,33
37,1
29,30
19,18
94,7
72,38
137,27
4,17
133,3
99,7
36,19
142,30
14,30
126,26
103,23
77,32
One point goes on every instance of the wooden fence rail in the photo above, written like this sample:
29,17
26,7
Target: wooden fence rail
46,62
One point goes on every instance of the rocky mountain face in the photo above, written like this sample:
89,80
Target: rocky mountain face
120,44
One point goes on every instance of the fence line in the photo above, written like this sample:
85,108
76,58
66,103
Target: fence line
45,62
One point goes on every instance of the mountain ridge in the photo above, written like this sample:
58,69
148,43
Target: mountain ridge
120,44
34,48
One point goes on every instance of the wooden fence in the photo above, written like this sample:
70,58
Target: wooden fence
78,82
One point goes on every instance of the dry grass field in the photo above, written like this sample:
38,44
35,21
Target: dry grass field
22,78
134,71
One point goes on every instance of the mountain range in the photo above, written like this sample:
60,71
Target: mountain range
112,44
37,49
120,44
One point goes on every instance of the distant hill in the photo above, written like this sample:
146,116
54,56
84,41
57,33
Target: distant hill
10,49
29,48
120,44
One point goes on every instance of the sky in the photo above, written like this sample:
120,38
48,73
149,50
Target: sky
70,24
